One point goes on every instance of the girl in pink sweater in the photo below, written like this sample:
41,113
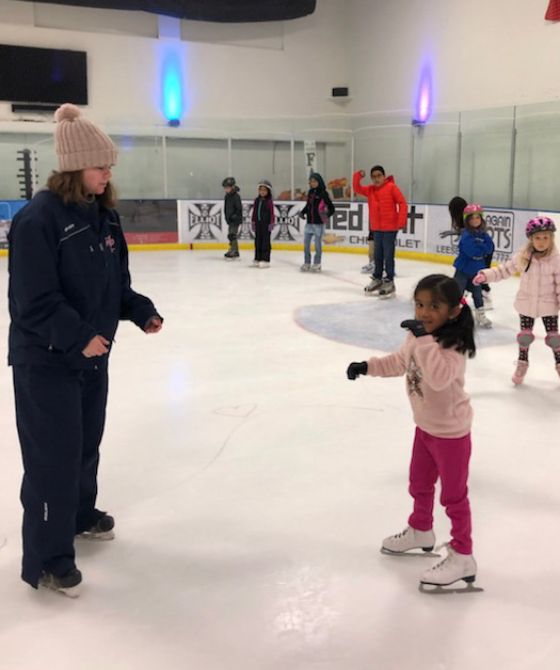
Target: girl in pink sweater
539,289
433,359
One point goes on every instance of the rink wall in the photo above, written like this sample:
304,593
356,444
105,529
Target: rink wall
426,236
152,225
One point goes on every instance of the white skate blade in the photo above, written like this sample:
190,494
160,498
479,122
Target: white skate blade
387,296
444,589
411,553
96,537
72,592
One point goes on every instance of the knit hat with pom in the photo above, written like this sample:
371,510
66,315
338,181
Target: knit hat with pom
79,144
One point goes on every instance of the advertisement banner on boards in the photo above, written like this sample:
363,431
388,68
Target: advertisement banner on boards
310,152
505,226
202,221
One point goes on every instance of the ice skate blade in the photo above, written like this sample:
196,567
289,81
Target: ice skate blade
444,589
97,537
73,592
412,553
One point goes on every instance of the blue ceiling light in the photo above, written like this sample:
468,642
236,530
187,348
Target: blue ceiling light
423,108
172,89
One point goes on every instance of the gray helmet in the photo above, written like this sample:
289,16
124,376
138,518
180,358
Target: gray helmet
266,184
228,181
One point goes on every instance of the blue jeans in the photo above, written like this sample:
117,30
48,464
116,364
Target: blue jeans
313,230
465,284
384,253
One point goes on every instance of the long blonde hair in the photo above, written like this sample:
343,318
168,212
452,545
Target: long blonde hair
70,187
529,251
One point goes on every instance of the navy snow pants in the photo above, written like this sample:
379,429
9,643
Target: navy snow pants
60,416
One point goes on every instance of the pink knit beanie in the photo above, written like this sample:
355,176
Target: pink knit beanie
79,144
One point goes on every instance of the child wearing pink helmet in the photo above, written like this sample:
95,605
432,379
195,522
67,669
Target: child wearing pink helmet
539,289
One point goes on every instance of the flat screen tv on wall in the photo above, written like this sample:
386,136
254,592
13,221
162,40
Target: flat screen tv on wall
49,76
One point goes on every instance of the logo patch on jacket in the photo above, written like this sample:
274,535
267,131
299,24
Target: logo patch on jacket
110,243
414,378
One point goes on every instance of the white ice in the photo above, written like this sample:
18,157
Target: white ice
252,485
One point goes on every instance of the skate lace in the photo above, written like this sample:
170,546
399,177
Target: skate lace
445,562
401,534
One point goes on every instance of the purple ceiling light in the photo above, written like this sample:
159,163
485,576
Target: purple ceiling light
423,108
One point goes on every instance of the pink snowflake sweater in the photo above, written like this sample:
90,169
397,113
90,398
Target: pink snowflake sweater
435,379
539,287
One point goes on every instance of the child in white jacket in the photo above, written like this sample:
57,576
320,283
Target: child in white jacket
539,289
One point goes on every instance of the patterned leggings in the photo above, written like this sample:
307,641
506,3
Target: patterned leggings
550,325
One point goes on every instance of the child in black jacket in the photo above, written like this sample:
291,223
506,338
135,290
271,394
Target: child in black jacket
263,224
317,211
233,213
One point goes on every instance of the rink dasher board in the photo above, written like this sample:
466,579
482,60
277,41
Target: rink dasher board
202,225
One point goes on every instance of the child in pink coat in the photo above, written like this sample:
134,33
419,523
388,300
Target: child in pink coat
433,360
539,289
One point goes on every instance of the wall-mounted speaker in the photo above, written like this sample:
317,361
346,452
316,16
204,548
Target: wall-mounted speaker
340,92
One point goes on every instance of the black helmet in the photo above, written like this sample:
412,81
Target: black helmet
228,181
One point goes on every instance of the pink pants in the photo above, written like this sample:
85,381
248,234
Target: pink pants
448,459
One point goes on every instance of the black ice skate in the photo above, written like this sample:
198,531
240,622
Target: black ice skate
101,530
67,585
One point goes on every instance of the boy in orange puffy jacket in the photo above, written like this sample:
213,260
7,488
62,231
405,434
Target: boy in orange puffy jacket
388,211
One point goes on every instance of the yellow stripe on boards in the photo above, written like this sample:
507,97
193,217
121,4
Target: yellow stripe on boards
410,255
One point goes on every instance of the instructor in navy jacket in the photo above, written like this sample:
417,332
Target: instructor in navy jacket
69,286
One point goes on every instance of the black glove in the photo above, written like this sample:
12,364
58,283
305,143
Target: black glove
415,327
356,369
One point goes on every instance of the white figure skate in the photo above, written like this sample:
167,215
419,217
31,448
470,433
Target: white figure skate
409,539
455,567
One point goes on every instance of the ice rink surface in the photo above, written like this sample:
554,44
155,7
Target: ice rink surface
252,485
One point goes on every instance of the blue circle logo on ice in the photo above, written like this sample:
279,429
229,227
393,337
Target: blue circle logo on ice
375,324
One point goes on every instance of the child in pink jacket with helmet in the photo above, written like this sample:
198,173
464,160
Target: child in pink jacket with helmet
433,360
539,289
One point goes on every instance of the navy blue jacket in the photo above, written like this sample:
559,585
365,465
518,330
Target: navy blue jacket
474,247
69,281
